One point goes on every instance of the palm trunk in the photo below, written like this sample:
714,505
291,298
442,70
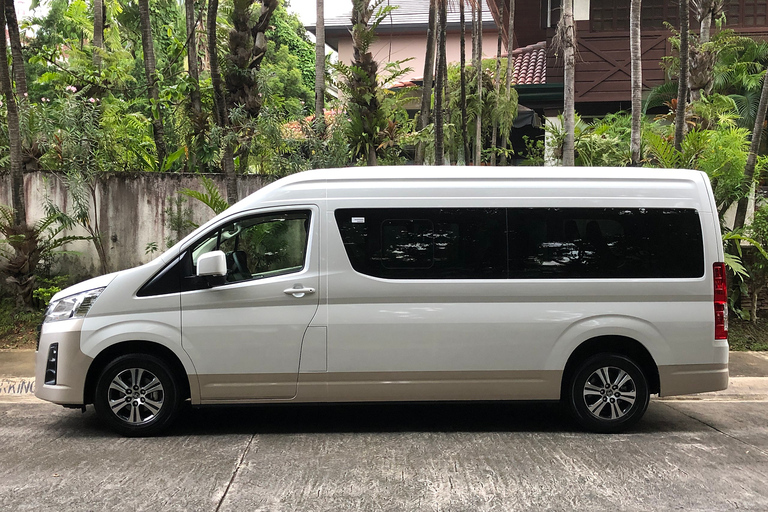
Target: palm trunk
426,89
508,78
479,68
682,85
497,90
320,68
14,124
151,73
569,106
439,87
219,102
749,169
463,73
194,71
98,32
17,57
637,79
195,101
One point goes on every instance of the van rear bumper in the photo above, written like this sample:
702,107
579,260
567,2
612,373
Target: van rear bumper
684,379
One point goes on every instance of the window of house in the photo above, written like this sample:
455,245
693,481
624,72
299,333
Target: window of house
747,13
613,15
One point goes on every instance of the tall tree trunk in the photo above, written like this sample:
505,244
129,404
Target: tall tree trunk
219,103
19,75
195,101
426,89
479,68
98,32
320,68
569,72
508,77
192,64
439,85
463,73
151,72
682,84
497,91
749,169
637,78
14,125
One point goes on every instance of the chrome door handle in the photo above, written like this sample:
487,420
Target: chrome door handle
298,291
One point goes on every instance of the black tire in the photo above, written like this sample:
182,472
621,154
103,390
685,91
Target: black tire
608,393
137,395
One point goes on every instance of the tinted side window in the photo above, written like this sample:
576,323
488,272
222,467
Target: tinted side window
425,243
604,243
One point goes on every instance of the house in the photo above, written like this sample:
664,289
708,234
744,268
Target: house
403,35
602,36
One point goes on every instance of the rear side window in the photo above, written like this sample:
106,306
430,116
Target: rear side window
604,243
523,243
425,243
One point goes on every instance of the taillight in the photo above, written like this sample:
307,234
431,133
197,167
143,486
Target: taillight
721,301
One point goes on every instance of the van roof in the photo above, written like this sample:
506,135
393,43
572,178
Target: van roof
402,181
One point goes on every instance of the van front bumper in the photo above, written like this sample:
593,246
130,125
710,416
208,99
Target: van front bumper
66,371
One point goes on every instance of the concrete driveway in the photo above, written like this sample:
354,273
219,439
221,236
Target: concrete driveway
705,453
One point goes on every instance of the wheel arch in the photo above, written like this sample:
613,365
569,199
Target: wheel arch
612,344
135,347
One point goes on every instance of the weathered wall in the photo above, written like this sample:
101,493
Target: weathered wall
132,211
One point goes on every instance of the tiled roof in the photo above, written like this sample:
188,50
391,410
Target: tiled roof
530,64
414,13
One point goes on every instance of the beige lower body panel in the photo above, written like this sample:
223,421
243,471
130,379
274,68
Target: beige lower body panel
390,386
684,379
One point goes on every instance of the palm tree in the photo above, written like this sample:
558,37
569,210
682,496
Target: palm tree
567,40
682,85
320,68
98,32
749,169
440,81
429,70
479,73
496,89
635,50
194,71
19,75
463,72
220,104
14,124
151,73
508,77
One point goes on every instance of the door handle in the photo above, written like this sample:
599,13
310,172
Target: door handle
298,291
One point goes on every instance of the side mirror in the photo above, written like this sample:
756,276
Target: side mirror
213,267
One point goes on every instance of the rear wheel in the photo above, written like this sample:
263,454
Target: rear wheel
608,393
137,395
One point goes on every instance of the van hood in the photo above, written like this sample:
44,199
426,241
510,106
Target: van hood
89,284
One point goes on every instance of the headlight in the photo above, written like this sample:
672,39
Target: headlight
74,306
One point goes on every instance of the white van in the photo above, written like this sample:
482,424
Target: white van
594,286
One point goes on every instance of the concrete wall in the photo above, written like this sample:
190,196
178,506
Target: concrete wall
132,212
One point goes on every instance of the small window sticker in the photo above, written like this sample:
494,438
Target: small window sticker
358,220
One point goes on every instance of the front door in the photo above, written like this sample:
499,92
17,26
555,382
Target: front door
245,336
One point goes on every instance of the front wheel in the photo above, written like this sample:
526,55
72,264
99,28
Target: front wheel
608,393
137,395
